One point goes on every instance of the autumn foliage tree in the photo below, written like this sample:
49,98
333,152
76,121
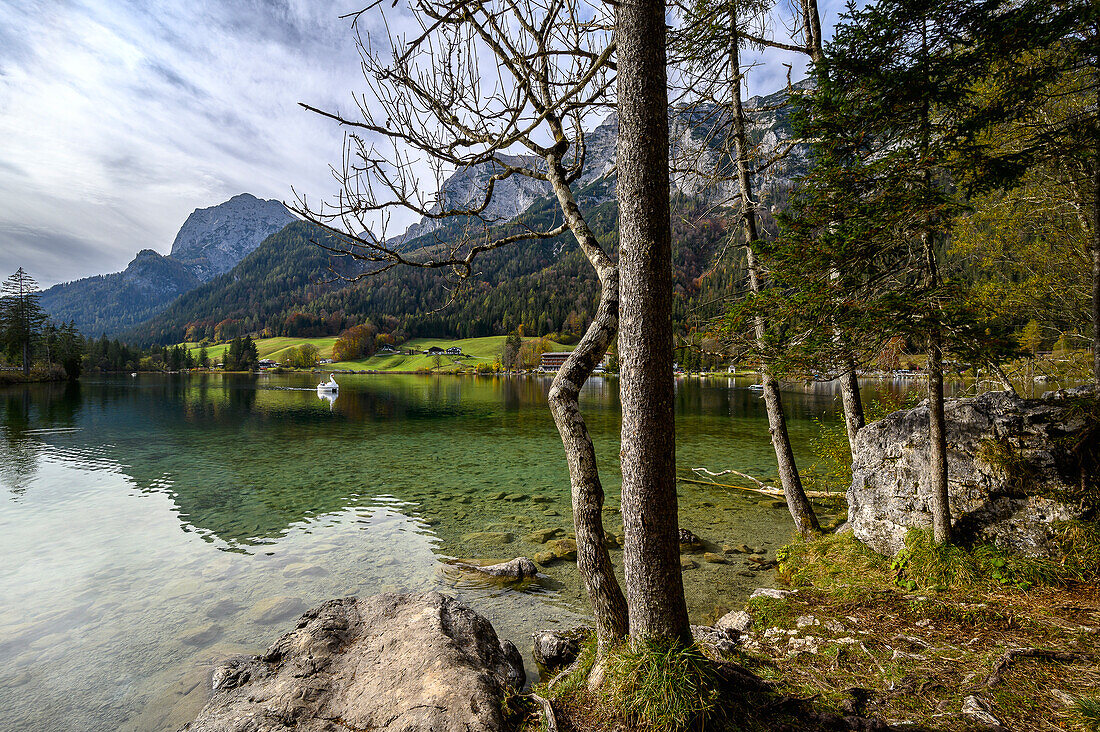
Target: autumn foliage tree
359,341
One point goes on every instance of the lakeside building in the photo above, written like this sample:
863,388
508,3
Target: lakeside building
551,362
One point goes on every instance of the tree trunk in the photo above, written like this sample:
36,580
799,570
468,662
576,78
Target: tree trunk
593,559
1095,241
853,405
26,357
937,428
651,556
801,511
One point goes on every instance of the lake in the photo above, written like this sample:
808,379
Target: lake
151,526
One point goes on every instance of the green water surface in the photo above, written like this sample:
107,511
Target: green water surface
151,526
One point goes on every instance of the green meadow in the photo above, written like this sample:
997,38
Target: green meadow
476,351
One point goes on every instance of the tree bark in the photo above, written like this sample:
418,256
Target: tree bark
1095,242
801,511
937,428
593,559
651,556
854,419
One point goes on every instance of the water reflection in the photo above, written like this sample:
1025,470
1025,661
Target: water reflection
154,525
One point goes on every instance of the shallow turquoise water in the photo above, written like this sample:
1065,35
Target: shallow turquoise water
153,525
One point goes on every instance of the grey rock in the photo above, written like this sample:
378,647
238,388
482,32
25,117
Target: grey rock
397,662
978,710
770,592
556,649
518,568
721,640
738,620
1008,469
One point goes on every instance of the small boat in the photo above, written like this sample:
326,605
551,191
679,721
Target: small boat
329,386
756,387
134,373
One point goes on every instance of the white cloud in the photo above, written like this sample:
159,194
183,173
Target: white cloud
118,118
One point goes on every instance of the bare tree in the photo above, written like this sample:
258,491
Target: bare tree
505,89
651,557
714,30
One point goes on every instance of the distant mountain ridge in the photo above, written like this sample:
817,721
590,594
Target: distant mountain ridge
211,242
285,286
699,139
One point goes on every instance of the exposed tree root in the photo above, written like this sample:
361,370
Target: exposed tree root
1012,654
547,711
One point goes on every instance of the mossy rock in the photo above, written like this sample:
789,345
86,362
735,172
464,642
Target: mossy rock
564,548
490,537
541,536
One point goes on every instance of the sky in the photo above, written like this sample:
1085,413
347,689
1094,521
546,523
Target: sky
119,118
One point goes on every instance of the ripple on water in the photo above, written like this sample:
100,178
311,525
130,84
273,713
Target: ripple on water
159,526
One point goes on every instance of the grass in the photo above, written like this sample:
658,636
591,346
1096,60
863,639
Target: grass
479,351
268,347
922,632
1089,709
664,687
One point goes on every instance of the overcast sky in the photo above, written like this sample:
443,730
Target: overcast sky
119,118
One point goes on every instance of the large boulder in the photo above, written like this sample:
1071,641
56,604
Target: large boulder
394,662
1015,468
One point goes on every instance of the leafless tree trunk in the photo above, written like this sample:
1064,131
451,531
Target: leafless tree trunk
593,559
937,426
654,584
552,70
801,511
1094,241
853,406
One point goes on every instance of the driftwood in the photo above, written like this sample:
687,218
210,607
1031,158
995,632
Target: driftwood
764,489
1012,654
547,712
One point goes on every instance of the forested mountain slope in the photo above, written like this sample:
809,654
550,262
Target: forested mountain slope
210,242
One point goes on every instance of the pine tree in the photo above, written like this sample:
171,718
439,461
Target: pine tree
895,119
21,317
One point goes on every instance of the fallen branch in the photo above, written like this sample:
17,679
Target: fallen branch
547,712
770,492
1012,654
708,473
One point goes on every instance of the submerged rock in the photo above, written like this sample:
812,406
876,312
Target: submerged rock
563,548
518,568
1015,467
273,609
689,541
399,662
541,536
490,537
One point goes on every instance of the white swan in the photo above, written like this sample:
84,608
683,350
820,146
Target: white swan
329,386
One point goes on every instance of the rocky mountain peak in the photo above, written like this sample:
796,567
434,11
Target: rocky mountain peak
212,240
